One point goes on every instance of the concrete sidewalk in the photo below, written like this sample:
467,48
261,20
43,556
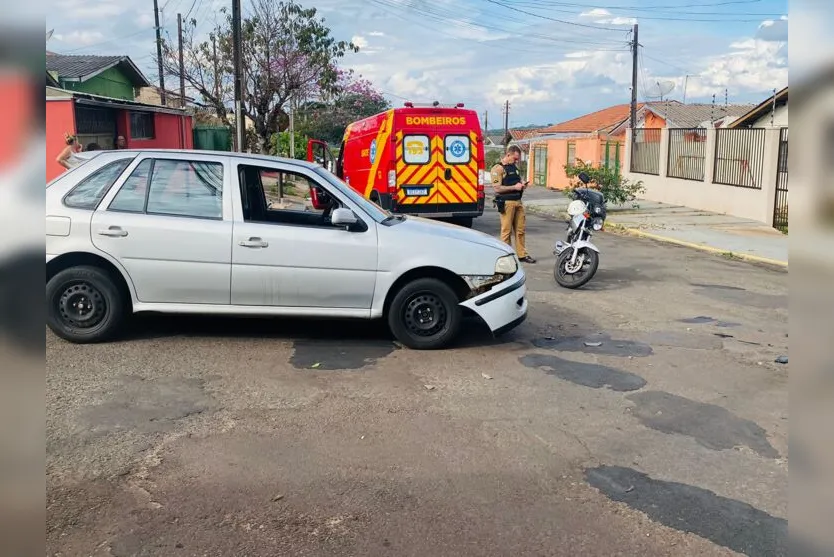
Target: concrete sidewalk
724,234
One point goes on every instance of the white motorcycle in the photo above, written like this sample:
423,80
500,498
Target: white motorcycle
577,259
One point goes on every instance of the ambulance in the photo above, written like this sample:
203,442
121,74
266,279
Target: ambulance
422,160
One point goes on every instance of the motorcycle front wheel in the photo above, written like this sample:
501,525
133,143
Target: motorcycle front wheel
580,272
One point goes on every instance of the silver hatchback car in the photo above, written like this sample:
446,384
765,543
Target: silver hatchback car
203,232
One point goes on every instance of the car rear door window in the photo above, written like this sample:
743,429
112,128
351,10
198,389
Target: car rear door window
186,189
177,188
416,149
131,196
92,189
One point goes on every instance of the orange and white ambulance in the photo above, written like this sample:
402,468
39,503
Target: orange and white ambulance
416,160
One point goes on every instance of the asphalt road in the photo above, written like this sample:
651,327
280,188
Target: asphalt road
203,437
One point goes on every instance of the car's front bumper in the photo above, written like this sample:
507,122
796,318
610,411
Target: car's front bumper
504,307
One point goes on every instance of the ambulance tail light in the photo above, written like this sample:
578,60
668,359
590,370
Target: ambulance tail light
392,181
481,181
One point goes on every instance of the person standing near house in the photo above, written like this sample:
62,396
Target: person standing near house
66,157
509,189
120,142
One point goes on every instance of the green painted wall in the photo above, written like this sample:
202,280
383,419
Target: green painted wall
109,83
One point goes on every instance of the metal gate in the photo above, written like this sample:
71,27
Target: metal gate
540,166
780,208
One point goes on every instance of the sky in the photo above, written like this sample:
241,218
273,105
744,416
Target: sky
553,60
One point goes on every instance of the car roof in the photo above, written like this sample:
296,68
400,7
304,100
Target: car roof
185,152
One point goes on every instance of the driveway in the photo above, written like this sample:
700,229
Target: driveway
643,415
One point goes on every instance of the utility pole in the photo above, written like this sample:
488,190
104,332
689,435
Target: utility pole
236,55
506,123
182,80
159,53
292,129
216,70
486,122
182,62
633,116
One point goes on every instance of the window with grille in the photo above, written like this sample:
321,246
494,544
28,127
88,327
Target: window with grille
141,125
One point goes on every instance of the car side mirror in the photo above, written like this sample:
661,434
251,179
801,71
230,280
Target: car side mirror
343,218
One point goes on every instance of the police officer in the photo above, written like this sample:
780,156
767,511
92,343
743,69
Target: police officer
509,189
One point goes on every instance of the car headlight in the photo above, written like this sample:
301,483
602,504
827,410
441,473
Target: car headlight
597,224
506,265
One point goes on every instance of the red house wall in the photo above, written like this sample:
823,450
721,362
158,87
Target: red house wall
60,119
168,133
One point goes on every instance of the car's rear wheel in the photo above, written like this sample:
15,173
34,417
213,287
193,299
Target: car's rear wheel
424,314
84,305
465,222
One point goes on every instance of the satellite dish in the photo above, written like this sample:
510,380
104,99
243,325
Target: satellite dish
660,89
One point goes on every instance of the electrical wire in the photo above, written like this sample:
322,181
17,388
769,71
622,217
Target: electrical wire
108,41
446,17
728,17
673,66
547,4
497,2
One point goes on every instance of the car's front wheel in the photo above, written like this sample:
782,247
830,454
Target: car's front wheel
424,314
84,305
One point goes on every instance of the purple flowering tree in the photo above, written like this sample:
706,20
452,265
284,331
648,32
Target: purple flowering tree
288,55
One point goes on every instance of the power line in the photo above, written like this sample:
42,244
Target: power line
428,14
667,64
477,26
544,3
557,20
108,41
720,17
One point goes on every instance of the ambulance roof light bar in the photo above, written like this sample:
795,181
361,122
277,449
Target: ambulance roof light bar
435,104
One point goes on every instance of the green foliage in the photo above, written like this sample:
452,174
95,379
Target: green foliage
327,121
279,145
493,157
616,189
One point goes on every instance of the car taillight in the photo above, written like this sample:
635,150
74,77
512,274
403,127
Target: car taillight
481,182
392,181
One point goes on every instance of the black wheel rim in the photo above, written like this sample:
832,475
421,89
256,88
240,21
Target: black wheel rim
81,305
425,315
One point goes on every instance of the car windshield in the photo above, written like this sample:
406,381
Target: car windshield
375,211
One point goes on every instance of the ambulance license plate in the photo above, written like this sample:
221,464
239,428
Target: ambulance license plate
417,192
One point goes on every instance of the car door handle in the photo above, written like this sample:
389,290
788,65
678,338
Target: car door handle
448,175
254,243
113,232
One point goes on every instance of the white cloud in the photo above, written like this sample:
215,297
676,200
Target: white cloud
85,10
376,34
753,66
360,41
604,17
80,38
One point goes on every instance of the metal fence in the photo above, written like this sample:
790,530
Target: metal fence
687,147
780,208
645,151
739,157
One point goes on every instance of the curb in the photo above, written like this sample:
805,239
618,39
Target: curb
700,247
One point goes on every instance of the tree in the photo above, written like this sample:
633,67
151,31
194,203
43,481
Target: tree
611,184
288,55
356,99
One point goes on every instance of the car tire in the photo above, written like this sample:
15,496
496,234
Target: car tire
84,305
425,315
465,222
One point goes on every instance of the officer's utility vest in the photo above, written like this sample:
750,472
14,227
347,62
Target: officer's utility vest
511,178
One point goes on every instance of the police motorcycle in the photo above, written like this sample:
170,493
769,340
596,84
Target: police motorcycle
577,259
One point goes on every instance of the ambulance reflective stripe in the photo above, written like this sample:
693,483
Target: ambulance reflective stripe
383,145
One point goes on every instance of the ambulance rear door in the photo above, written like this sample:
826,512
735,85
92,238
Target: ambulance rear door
457,175
416,170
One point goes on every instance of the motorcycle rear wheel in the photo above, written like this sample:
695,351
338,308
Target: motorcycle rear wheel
580,278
